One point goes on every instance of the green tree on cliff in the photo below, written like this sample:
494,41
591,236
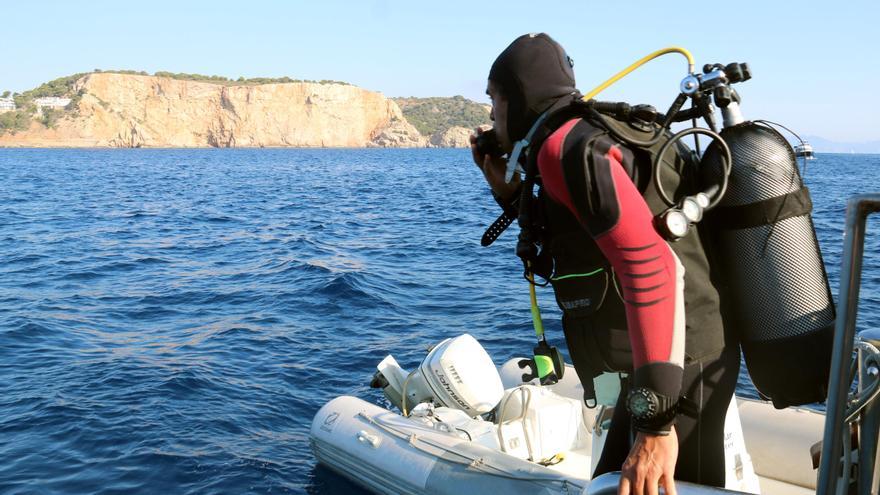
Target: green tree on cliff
430,115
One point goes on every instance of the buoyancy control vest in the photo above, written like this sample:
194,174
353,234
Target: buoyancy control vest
586,289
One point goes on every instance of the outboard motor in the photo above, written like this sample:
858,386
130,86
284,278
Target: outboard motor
774,287
457,373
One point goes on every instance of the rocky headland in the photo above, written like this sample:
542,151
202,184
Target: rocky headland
132,110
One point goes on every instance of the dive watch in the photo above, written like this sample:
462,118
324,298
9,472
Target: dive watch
647,406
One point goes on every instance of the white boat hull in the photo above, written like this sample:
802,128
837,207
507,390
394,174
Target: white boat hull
389,453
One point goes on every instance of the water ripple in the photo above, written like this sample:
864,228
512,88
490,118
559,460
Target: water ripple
171,320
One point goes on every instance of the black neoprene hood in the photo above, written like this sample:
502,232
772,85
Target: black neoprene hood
533,73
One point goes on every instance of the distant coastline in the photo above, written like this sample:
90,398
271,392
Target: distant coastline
822,145
133,109
130,109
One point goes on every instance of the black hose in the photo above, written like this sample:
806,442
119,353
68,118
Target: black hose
677,136
771,124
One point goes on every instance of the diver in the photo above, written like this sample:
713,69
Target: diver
631,302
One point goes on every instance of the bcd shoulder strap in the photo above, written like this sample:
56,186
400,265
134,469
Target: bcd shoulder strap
563,111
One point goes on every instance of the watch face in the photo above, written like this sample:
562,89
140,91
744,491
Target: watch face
642,403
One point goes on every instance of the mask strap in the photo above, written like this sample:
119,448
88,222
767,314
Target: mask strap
520,146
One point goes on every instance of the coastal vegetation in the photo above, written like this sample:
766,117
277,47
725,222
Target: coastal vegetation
17,120
50,116
430,115
61,87
26,110
253,81
226,81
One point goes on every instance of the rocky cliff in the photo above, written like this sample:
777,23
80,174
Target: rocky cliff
454,137
124,110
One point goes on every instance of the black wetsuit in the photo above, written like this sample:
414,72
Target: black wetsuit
629,304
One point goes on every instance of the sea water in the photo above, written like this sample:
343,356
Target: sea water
171,320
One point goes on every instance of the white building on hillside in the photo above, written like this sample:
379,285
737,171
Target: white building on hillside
51,102
7,104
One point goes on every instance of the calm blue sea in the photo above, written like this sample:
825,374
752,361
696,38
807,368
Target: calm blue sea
171,320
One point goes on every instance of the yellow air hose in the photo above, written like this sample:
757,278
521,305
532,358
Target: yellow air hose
642,61
536,312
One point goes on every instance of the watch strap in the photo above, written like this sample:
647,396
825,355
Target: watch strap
659,423
511,212
496,229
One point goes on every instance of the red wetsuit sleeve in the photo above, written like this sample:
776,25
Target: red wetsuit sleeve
587,174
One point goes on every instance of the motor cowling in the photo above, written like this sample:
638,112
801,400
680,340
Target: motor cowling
457,373
775,294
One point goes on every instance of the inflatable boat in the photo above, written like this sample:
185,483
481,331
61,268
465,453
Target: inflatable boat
485,430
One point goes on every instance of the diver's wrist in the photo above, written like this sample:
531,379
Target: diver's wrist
651,412
660,432
508,202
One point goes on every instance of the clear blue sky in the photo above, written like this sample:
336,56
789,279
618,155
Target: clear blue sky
815,63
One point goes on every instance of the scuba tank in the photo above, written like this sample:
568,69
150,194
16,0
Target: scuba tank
775,296
774,288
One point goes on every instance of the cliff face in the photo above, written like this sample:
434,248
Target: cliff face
125,110
454,137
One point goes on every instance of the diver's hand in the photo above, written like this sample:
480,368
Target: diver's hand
494,169
651,462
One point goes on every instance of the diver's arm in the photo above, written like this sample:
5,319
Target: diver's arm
651,277
588,177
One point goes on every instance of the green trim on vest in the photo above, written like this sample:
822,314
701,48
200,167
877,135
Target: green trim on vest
578,275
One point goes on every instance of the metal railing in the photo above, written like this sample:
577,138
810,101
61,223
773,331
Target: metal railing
832,480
